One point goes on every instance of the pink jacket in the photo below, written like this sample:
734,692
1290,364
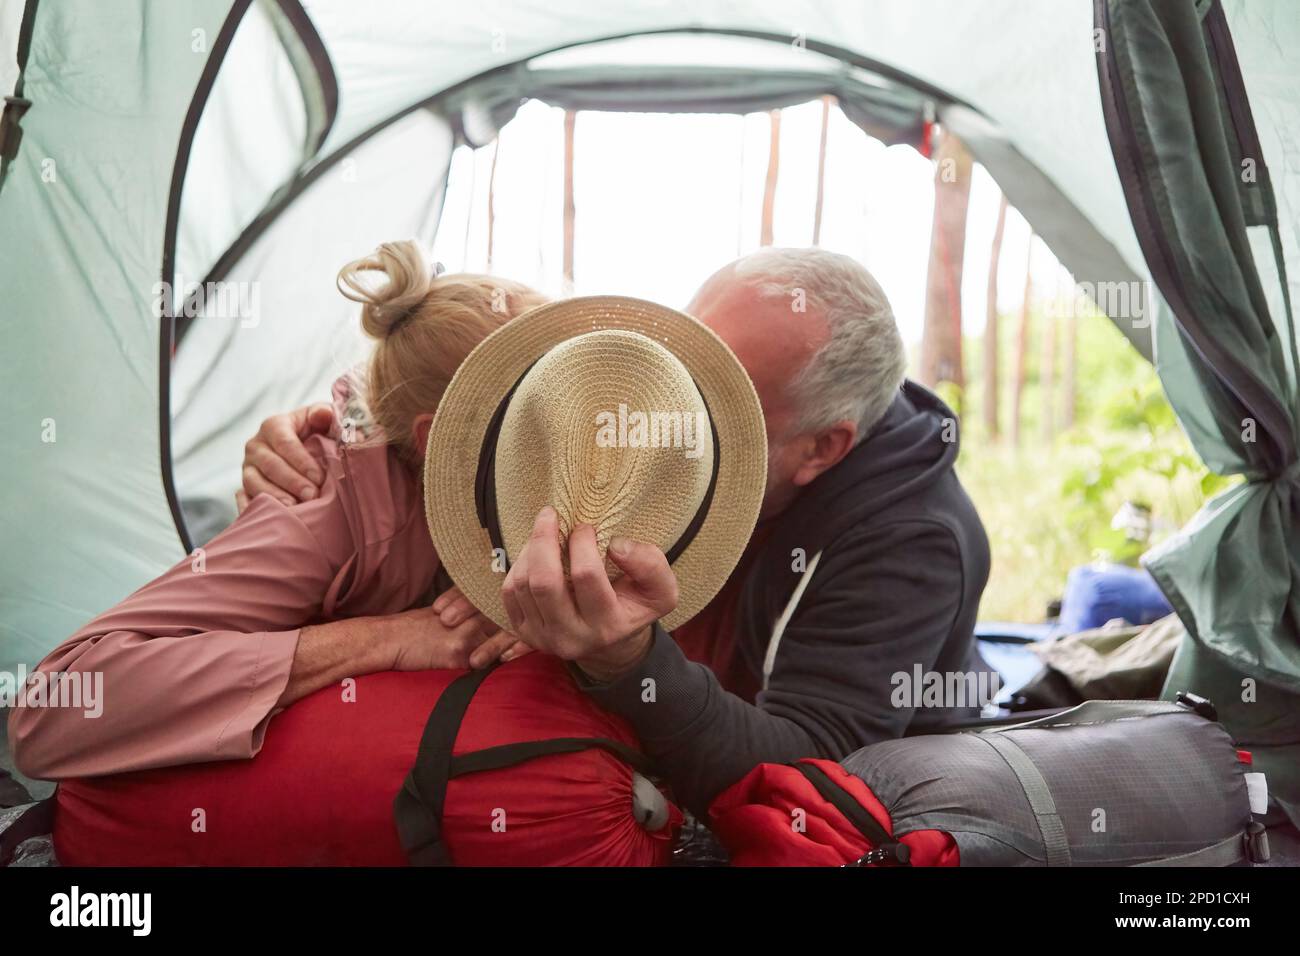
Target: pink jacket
194,661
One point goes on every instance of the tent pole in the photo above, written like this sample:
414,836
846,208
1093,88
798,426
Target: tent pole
16,105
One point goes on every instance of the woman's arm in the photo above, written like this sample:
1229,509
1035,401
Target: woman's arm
189,667
192,666
411,640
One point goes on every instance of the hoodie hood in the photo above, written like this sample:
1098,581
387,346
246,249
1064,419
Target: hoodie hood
911,448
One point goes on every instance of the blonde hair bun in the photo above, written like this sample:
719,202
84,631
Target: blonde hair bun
424,324
384,305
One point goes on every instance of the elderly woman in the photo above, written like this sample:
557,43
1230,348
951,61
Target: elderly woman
293,596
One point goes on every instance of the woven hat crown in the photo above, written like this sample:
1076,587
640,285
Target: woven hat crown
620,413
610,430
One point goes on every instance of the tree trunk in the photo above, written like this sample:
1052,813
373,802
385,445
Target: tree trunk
941,359
1070,360
991,417
1022,346
570,119
1047,380
740,192
769,189
491,202
821,171
465,261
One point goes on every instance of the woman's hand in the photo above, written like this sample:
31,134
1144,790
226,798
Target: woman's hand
453,608
422,640
277,462
413,640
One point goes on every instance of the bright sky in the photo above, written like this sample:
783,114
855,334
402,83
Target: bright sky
661,201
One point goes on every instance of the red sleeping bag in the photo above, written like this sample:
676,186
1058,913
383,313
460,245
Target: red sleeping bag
321,790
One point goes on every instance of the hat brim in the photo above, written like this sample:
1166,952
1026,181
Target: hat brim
497,363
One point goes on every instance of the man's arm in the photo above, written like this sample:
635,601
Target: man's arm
876,608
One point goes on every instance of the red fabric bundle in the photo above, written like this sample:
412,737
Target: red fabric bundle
774,816
320,792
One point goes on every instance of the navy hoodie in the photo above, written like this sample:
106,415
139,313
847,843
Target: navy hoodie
895,591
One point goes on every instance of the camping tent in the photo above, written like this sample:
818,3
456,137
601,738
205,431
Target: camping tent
150,148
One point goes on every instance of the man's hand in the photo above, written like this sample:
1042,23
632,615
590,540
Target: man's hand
278,463
453,609
604,627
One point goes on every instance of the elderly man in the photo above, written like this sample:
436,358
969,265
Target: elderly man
864,572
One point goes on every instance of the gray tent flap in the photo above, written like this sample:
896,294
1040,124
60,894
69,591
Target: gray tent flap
228,372
1171,135
1181,129
887,111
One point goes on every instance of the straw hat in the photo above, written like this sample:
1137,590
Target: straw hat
622,414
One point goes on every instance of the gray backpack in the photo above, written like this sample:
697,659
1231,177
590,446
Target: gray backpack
1106,783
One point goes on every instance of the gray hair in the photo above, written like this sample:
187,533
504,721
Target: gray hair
856,374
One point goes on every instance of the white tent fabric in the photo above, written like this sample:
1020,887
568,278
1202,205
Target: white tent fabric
1017,65
249,142
113,85
81,227
302,334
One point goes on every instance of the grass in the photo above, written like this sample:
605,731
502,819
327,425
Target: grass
1047,504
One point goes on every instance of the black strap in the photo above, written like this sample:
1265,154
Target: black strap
702,512
419,805
507,755
485,476
11,133
884,848
485,480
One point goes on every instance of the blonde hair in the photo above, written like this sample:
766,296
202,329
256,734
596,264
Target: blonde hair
424,325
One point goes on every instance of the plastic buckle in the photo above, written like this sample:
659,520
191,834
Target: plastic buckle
1198,704
891,854
11,134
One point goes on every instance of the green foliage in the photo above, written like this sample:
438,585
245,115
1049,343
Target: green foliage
1048,504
